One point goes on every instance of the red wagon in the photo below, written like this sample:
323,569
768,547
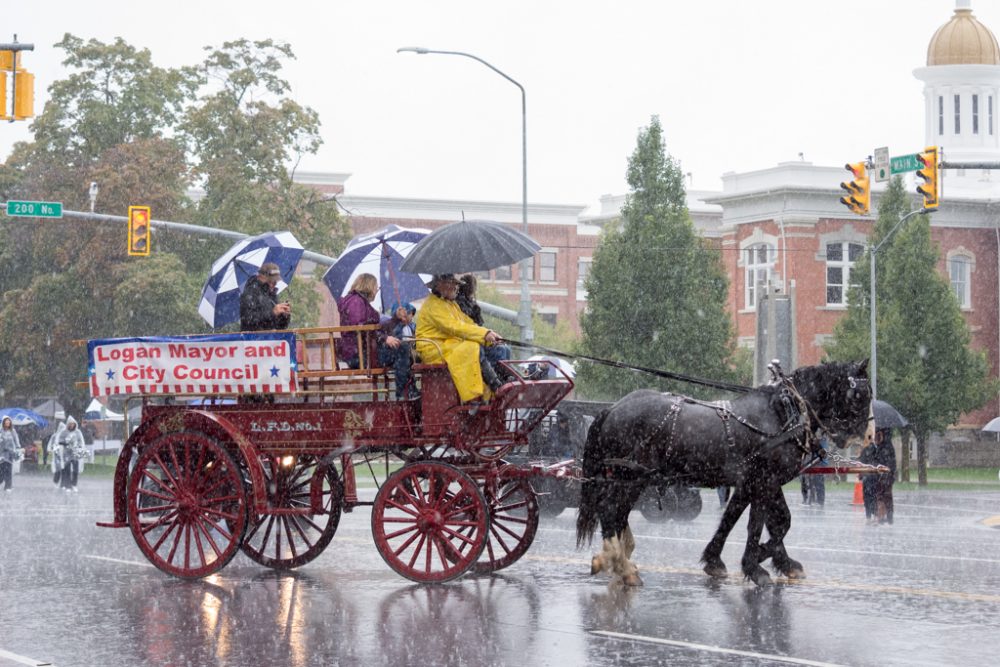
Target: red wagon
271,472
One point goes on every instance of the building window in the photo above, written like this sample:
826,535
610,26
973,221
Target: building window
759,262
975,114
940,115
549,318
989,108
502,273
840,258
958,114
547,267
582,271
960,270
481,275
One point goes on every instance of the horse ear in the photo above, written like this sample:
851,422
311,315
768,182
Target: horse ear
863,367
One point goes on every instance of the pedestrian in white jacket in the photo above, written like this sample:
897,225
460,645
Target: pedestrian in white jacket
71,450
10,450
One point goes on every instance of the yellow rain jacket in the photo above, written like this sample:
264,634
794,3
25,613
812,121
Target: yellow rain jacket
459,338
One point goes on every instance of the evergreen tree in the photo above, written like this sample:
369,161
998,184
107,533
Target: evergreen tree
926,367
657,291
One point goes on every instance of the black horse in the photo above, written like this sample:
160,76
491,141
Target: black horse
755,444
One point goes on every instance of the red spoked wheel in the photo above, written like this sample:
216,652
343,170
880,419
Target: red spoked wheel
513,523
285,541
187,507
430,522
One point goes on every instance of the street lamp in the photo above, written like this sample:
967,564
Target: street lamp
874,360
524,312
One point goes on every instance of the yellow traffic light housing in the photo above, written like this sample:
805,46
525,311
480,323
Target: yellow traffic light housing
138,231
858,195
3,95
24,95
930,173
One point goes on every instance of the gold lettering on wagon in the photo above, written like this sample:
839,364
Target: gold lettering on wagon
172,423
354,424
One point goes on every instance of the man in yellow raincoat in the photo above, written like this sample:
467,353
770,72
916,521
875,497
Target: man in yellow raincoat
459,339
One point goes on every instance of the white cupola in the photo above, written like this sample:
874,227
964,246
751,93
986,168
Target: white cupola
962,89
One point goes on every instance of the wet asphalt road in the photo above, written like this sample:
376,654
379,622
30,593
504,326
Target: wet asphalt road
925,591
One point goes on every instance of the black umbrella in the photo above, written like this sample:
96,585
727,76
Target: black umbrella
887,416
470,245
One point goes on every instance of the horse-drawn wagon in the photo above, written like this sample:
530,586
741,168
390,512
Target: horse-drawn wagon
271,473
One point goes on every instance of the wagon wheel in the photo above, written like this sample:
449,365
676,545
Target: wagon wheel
430,522
187,507
284,541
513,522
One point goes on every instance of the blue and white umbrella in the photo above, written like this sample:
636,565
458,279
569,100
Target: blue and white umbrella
220,298
23,417
380,253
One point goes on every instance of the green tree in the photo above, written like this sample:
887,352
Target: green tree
656,291
243,134
926,366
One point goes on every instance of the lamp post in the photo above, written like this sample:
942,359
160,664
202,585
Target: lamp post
872,309
524,311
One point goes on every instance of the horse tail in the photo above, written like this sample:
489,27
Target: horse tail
586,515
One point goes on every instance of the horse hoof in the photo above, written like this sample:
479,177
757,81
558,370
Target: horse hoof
761,578
795,574
716,571
596,565
633,580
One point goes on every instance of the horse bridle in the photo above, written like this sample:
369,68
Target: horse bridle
840,425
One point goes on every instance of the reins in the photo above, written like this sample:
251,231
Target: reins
690,379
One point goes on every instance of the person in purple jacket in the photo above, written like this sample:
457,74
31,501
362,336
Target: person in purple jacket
356,309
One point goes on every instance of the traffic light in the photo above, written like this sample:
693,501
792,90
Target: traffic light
858,194
138,230
930,174
23,86
24,95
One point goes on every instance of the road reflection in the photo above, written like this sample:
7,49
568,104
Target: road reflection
269,619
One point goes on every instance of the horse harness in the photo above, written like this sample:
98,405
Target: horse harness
795,415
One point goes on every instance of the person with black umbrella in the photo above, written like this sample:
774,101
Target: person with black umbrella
445,333
878,486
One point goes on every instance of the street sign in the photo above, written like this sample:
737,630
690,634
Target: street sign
880,165
904,163
34,209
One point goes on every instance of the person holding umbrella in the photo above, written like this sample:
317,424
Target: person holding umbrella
442,325
259,307
10,446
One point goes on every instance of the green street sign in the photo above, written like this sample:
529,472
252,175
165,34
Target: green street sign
34,209
904,163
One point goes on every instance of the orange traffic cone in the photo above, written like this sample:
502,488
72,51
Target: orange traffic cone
859,493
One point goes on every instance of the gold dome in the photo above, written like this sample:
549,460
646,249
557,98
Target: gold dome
963,41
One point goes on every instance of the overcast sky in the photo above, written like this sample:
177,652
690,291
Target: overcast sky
738,85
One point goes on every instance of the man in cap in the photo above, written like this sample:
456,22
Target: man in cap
259,307
441,325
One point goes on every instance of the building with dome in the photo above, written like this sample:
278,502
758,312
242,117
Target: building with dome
782,228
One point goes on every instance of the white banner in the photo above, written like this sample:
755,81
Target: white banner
244,363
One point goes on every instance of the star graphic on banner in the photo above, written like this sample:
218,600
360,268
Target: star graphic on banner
274,371
111,375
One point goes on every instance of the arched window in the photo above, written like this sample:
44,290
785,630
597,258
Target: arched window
759,262
840,258
960,273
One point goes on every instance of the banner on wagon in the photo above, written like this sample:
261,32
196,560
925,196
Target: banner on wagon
244,363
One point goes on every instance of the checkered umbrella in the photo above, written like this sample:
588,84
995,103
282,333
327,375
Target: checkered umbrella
220,298
380,253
